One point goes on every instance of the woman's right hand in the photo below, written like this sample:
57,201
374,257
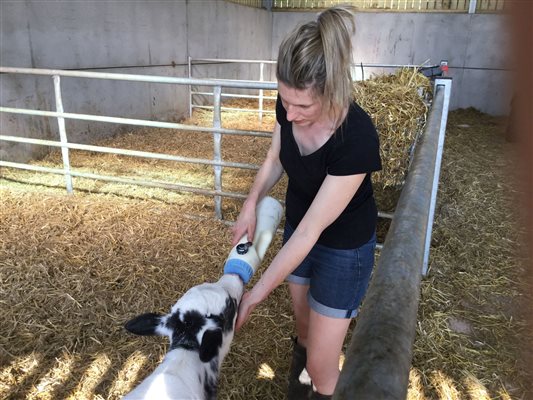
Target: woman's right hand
245,224
246,307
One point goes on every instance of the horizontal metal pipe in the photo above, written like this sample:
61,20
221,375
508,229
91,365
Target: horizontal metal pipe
144,78
383,214
390,65
245,96
126,181
134,153
132,121
222,82
275,62
233,60
235,109
379,356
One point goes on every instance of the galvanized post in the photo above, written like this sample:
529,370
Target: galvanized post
62,134
190,87
267,4
472,7
446,83
261,74
217,139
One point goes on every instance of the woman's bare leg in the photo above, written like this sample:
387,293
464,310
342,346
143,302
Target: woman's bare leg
300,309
324,345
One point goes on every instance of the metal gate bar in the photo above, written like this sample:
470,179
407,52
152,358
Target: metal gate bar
133,121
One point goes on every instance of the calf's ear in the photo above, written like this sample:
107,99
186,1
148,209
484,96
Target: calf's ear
211,342
144,324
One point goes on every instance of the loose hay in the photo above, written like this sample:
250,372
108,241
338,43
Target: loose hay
476,268
73,269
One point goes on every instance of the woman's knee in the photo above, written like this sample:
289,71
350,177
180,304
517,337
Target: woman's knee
326,337
313,368
324,375
322,366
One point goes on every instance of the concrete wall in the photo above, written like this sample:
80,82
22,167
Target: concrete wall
156,37
228,31
142,37
475,45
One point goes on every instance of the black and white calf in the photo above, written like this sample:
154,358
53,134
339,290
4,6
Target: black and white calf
200,327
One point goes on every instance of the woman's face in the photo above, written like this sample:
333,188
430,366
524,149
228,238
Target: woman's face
303,107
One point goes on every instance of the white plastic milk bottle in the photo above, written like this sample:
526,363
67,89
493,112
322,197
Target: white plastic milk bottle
246,256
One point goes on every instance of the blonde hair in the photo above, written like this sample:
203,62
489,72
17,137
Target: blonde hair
318,55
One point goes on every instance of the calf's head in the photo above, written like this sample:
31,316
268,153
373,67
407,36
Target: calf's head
202,320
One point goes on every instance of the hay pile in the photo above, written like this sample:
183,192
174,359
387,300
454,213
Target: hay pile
397,104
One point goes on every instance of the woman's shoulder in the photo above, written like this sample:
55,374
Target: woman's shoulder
281,113
356,144
358,122
356,114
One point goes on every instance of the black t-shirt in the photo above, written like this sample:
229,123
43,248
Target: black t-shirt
352,149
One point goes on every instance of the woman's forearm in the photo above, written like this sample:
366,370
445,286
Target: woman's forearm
269,173
332,198
267,176
286,261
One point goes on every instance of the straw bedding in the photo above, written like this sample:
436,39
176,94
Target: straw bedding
472,338
74,268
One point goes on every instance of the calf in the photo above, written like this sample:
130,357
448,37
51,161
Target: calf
200,327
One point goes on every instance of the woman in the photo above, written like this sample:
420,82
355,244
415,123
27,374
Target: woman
328,147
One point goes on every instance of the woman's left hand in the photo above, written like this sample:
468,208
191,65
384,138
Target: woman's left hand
245,309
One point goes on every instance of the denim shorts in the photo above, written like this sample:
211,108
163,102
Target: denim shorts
337,278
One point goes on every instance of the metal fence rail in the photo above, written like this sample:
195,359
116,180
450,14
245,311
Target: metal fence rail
378,359
217,131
